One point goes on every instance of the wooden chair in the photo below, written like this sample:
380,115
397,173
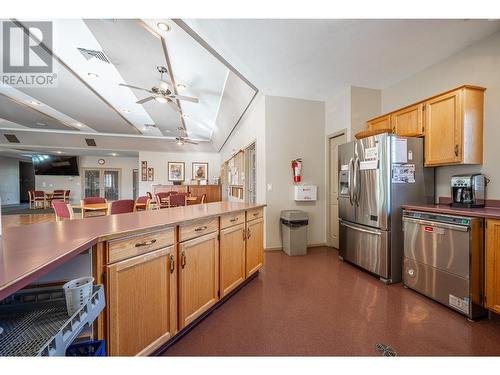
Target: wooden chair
177,200
39,198
142,203
62,210
163,199
121,206
66,195
58,194
31,199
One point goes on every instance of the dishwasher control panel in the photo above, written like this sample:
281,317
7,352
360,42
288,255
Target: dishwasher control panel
457,220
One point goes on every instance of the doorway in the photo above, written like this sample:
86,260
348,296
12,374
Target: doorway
251,172
135,183
26,180
333,173
104,183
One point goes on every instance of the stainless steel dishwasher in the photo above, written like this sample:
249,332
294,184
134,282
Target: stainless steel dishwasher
444,259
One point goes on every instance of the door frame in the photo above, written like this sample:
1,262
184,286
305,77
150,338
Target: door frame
101,179
328,137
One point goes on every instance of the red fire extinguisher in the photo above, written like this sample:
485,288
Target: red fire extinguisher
297,169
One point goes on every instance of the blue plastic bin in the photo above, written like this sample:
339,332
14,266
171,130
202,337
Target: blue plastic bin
96,348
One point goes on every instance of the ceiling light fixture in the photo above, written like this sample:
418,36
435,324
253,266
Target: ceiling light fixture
93,75
34,102
181,86
163,26
161,99
114,154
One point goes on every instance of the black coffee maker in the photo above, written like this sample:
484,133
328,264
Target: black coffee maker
468,190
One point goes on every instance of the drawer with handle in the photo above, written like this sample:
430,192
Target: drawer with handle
198,228
232,219
127,247
255,213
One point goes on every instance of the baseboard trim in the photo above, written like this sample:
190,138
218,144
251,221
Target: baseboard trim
308,246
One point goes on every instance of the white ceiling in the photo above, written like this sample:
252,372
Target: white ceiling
82,106
313,58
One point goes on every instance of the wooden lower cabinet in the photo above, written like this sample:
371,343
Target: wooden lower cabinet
254,246
232,258
142,307
493,265
198,277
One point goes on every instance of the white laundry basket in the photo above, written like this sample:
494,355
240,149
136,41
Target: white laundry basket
77,293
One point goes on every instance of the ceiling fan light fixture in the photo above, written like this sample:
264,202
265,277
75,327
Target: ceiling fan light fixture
179,142
161,99
163,26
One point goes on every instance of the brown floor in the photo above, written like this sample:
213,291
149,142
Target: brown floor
318,305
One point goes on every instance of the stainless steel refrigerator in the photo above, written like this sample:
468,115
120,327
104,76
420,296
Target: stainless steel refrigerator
376,176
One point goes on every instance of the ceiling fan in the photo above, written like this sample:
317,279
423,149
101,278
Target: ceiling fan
162,92
182,140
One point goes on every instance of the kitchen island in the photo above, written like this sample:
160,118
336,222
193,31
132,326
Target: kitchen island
162,270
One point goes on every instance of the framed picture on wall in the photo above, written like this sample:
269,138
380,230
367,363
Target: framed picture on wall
175,171
151,174
144,170
200,171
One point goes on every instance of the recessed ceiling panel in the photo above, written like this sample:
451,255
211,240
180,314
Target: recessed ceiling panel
22,114
136,54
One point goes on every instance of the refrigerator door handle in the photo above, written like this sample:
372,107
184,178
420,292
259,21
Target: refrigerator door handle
357,181
361,229
350,181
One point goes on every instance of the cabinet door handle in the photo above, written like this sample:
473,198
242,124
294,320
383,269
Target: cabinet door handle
200,228
172,263
456,150
183,259
233,220
147,243
244,234
248,233
255,214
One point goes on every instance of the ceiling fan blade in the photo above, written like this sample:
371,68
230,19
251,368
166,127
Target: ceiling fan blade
186,98
134,87
142,101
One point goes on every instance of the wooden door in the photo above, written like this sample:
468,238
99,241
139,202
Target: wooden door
232,258
493,265
142,302
383,122
254,246
443,124
333,222
198,277
408,122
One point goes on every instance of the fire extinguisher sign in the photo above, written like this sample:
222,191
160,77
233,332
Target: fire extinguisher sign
297,169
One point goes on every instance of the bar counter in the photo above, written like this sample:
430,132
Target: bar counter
28,252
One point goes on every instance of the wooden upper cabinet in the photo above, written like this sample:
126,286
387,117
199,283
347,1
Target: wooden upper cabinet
408,122
198,277
232,258
493,265
380,123
454,127
142,307
254,246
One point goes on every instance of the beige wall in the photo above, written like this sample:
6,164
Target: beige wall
159,161
479,64
251,128
294,128
9,180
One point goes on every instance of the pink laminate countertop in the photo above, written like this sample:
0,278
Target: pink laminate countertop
485,212
30,251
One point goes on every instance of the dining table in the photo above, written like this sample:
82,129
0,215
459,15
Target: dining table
92,207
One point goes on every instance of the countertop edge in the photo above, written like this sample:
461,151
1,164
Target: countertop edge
483,212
